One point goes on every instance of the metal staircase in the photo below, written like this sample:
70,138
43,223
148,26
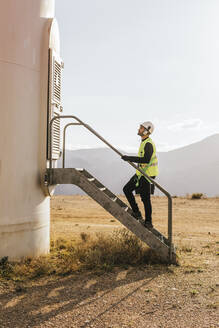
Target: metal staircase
115,206
95,189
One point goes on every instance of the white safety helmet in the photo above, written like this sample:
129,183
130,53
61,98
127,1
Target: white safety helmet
149,127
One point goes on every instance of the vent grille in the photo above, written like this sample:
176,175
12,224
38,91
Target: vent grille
54,103
57,81
56,137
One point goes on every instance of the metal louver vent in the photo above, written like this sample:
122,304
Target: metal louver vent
56,138
54,103
57,82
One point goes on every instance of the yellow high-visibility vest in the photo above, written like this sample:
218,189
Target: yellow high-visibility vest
151,168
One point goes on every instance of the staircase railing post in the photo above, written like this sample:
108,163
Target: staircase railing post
63,145
170,228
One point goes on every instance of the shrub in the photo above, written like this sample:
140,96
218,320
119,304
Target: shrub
197,196
6,269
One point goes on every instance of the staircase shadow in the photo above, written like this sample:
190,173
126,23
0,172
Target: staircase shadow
34,305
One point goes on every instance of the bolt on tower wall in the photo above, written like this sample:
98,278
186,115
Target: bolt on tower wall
27,31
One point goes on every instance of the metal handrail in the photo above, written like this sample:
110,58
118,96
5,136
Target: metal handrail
63,144
120,154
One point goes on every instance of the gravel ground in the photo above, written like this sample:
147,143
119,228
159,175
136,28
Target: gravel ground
151,296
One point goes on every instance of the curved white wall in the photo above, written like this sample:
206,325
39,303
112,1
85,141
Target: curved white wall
24,209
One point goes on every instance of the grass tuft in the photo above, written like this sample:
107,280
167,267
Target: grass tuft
84,236
193,292
186,249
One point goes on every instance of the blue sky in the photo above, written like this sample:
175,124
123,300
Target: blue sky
129,61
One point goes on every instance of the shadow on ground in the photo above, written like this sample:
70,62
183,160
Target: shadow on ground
35,305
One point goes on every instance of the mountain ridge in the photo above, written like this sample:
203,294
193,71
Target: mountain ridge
188,169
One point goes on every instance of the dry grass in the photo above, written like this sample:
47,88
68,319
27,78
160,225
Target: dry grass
87,238
98,253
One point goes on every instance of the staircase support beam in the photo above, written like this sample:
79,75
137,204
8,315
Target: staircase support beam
73,176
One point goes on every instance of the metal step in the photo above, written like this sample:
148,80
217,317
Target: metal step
114,206
91,179
102,188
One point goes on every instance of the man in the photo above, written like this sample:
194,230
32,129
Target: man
147,161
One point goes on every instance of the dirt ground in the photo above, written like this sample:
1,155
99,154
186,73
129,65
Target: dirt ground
184,296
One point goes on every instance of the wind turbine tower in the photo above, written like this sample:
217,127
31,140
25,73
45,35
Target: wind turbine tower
30,88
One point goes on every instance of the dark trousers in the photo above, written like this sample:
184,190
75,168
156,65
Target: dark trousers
144,190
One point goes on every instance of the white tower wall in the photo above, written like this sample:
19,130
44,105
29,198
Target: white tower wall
25,27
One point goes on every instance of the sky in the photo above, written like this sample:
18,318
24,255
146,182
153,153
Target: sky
131,61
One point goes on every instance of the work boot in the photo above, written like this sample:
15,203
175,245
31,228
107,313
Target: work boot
137,215
148,224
